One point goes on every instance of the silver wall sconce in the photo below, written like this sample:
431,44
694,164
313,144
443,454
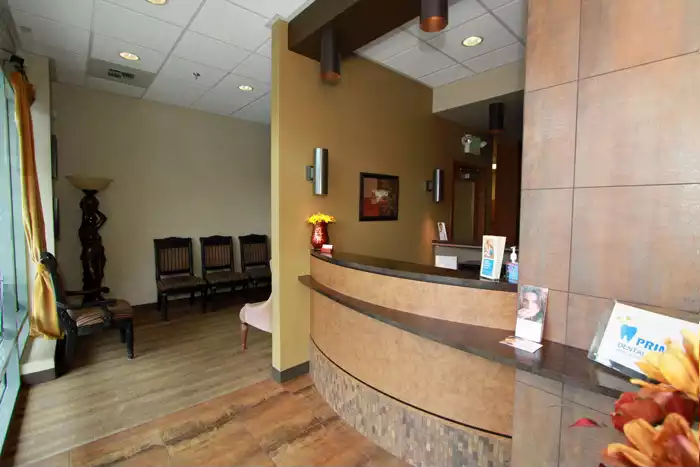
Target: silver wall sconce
437,185
318,173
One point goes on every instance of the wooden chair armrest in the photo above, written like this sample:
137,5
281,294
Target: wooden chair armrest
77,293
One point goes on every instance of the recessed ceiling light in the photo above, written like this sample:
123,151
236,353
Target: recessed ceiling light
129,56
472,41
245,88
157,2
493,166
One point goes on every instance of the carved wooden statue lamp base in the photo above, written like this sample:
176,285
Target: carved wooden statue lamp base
92,255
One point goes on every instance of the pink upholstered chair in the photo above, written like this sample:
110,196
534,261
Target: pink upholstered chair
258,315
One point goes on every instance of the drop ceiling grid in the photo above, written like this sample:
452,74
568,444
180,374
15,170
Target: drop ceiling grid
229,40
73,31
506,34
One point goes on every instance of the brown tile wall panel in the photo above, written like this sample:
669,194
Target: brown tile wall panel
549,137
637,244
552,43
535,427
431,376
539,382
624,33
640,126
487,308
555,320
583,446
582,320
545,237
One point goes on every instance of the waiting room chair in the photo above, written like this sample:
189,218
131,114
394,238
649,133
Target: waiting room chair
258,315
78,319
218,267
255,259
174,273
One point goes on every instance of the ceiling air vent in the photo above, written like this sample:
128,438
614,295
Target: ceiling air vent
118,74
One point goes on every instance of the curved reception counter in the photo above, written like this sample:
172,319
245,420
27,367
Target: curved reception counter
409,355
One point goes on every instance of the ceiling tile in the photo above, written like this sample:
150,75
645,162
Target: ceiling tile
184,70
35,32
77,13
107,49
494,34
419,61
113,86
460,12
174,91
390,44
258,111
515,16
446,76
270,8
500,57
178,12
208,51
232,24
69,76
223,101
256,67
266,49
493,4
129,26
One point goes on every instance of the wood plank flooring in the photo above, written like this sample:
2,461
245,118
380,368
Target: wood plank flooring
190,359
266,424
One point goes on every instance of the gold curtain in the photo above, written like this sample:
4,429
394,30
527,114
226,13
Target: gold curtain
44,320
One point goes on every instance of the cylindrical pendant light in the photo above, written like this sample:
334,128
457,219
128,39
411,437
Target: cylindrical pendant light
497,113
433,15
330,57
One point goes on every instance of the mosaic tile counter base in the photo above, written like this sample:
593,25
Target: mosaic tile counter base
416,437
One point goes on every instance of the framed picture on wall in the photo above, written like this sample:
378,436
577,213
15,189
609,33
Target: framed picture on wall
379,197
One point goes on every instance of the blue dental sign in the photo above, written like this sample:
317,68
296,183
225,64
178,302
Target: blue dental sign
632,332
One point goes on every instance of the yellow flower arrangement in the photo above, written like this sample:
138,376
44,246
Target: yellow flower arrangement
320,217
672,401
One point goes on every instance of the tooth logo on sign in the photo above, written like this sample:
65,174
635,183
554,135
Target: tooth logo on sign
627,332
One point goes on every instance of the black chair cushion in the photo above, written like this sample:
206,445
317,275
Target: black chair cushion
226,277
120,309
259,273
167,284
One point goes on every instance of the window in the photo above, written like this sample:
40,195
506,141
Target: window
14,293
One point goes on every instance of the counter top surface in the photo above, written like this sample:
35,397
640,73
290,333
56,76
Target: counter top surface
555,361
414,271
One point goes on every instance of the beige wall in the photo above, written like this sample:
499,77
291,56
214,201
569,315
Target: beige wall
493,83
374,121
38,74
177,172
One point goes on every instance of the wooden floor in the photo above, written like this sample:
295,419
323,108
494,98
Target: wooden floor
266,424
188,360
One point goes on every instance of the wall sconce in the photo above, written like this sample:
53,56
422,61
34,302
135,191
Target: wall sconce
436,185
318,173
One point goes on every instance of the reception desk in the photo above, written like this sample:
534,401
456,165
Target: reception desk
409,355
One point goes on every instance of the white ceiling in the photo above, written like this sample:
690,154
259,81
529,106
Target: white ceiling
438,59
227,42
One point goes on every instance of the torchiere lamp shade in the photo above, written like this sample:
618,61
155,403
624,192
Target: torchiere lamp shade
433,15
330,57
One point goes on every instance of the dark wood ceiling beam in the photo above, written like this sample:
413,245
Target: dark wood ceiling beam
357,23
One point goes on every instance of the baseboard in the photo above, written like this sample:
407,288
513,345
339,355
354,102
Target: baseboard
290,373
39,377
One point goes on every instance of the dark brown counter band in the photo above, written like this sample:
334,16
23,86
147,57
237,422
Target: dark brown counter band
554,361
419,272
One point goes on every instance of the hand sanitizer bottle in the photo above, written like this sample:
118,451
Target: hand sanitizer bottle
513,267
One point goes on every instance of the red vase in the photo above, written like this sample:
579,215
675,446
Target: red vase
319,235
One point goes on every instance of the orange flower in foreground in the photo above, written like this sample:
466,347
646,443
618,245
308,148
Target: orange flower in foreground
674,444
